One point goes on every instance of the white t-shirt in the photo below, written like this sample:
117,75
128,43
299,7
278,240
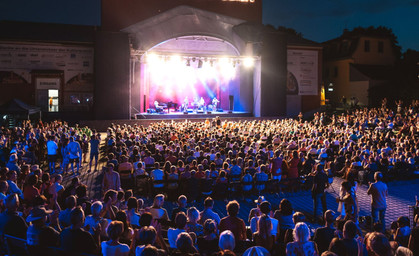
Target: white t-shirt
114,250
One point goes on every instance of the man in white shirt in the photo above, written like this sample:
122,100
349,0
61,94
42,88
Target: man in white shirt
52,148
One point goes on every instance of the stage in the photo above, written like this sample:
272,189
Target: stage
191,115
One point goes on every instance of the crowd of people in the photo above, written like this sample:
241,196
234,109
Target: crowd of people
192,161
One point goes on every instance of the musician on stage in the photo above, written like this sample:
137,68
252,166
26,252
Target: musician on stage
185,104
201,103
214,103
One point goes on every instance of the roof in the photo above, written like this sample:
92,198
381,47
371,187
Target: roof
360,72
46,32
183,21
294,40
16,106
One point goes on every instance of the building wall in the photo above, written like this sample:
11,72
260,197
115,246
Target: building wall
373,56
22,63
360,91
119,14
339,78
112,90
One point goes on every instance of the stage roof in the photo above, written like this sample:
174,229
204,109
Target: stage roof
202,29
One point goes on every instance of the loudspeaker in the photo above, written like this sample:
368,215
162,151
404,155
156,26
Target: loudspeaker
144,103
231,101
208,112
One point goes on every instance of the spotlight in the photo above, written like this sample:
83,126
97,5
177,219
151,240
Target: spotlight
188,62
152,58
212,63
248,62
200,64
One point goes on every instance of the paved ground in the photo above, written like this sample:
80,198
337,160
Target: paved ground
401,196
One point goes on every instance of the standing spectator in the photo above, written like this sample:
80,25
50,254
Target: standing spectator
324,235
379,192
320,183
111,179
232,222
94,150
75,154
52,148
302,245
113,247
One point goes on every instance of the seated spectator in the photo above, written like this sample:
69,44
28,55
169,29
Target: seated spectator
146,236
414,235
111,179
302,245
264,237
377,244
157,210
11,223
184,245
182,202
13,188
128,232
284,217
113,246
93,221
39,234
350,231
30,191
324,235
208,243
75,239
256,251
227,241
172,233
208,213
403,231
192,225
296,218
64,217
337,246
132,212
232,222
265,208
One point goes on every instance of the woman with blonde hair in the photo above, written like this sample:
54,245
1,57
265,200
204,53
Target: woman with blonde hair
301,245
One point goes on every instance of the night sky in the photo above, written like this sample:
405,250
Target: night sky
319,20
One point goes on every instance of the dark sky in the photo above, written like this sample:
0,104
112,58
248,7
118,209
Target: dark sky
319,20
